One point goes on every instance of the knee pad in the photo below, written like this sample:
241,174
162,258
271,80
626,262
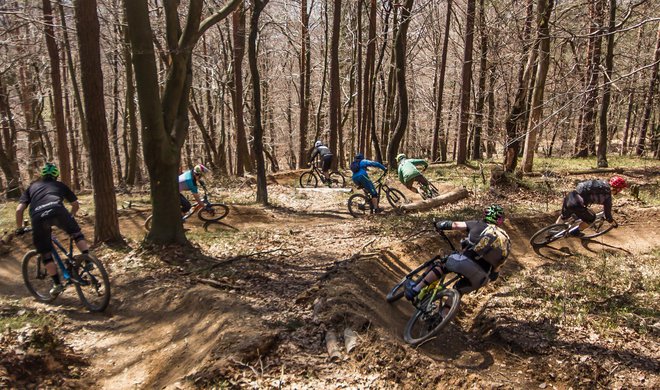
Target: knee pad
79,236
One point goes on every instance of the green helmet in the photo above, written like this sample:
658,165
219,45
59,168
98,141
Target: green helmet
400,157
50,170
494,214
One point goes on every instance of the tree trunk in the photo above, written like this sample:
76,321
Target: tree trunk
243,161
8,147
605,107
262,190
481,92
649,99
106,225
490,129
587,139
626,129
544,9
335,87
53,54
304,90
133,153
317,131
439,141
466,83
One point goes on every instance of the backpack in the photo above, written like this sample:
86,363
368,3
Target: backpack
493,245
355,166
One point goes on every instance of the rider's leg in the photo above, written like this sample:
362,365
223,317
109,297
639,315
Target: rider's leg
41,231
327,163
185,204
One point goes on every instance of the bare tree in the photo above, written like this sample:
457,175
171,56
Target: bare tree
466,84
649,98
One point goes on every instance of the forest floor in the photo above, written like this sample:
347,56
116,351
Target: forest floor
251,302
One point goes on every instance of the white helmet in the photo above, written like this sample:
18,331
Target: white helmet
317,144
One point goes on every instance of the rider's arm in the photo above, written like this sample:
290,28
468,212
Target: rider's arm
451,225
19,214
421,162
313,156
75,206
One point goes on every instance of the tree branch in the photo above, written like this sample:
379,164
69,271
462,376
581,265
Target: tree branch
219,16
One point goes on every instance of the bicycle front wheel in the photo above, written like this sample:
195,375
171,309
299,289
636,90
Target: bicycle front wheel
395,197
337,180
428,319
213,213
597,228
36,278
359,205
147,223
93,287
308,180
549,234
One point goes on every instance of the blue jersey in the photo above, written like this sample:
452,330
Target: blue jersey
187,182
364,164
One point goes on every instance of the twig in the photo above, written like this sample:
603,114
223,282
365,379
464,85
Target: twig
367,244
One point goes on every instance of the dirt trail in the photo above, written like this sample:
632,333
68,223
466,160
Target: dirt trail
260,319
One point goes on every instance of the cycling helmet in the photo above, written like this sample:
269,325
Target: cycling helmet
317,144
494,214
200,169
618,182
400,157
359,157
50,170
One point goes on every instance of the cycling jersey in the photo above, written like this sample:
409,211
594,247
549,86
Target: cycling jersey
364,164
46,194
407,169
587,193
475,228
361,176
322,151
187,182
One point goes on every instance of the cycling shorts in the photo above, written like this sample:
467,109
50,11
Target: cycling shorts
185,203
327,162
574,204
364,182
43,221
475,276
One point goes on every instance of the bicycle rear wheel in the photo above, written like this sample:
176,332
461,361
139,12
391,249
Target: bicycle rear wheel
308,180
213,213
94,287
337,180
395,197
433,190
359,205
549,234
597,228
36,279
428,320
147,223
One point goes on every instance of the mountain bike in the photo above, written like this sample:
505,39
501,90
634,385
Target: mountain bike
209,212
428,191
85,272
311,178
430,302
359,205
558,231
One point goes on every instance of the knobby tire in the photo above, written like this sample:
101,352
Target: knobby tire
432,321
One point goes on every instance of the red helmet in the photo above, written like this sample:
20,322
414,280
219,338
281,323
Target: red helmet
618,182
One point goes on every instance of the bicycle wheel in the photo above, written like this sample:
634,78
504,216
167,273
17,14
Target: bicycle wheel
36,279
428,320
597,228
308,180
147,223
433,190
395,197
213,213
549,234
94,287
359,205
337,180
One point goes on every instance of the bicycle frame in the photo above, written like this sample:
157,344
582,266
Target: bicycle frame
439,284
58,259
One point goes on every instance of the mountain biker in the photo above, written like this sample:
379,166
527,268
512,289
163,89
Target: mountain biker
45,197
324,153
188,182
409,174
361,177
587,193
470,262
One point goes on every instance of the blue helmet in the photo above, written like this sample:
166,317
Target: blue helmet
359,157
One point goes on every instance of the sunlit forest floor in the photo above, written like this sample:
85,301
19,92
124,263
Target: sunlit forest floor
251,302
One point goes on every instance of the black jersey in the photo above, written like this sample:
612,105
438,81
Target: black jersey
475,228
45,194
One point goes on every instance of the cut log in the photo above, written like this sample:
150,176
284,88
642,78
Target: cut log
580,172
428,204
332,345
350,339
324,189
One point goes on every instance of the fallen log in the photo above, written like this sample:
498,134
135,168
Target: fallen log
574,173
428,204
